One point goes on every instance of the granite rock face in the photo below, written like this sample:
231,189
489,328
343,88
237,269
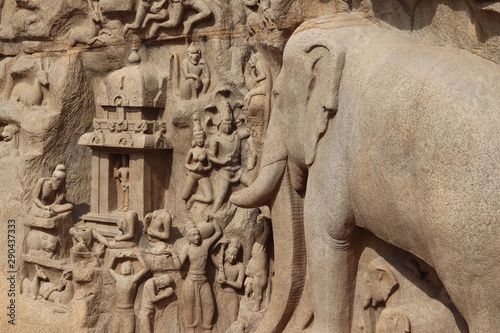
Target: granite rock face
250,166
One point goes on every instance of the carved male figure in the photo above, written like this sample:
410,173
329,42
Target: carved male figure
50,195
122,174
225,151
155,289
157,228
196,292
177,10
126,288
194,73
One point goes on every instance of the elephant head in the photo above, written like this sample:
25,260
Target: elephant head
305,98
378,284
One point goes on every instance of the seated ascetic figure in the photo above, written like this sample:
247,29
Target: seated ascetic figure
50,195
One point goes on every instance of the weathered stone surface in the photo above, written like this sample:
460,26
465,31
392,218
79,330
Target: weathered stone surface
250,166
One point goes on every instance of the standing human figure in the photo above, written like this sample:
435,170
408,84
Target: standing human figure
197,296
230,276
123,320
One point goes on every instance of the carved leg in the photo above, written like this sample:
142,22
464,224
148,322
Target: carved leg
162,15
329,227
189,188
207,192
259,284
203,11
221,193
207,306
139,18
173,21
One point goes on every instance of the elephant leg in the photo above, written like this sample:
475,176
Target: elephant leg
329,228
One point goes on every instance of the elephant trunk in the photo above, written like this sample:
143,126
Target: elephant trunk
262,189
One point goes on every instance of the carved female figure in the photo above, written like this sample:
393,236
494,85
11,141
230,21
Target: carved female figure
230,276
198,166
197,295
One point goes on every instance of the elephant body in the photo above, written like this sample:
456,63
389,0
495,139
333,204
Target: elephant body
401,138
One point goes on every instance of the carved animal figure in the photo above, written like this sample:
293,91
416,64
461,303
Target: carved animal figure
42,244
32,287
30,94
372,129
84,34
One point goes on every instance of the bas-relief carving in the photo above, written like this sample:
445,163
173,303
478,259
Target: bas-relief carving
160,205
340,165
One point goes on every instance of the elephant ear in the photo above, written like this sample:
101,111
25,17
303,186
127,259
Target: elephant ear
386,282
326,58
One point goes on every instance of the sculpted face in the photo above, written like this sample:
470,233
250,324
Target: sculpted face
226,126
162,281
126,268
199,139
57,180
252,61
194,56
194,236
7,134
231,255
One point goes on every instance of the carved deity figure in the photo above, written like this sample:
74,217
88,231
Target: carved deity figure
123,319
197,294
257,268
50,195
230,276
155,289
195,75
122,174
198,165
175,15
258,100
157,228
225,152
10,144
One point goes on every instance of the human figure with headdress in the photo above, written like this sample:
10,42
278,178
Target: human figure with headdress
225,152
198,165
50,195
199,305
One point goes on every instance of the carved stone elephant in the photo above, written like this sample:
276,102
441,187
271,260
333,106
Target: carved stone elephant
369,128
